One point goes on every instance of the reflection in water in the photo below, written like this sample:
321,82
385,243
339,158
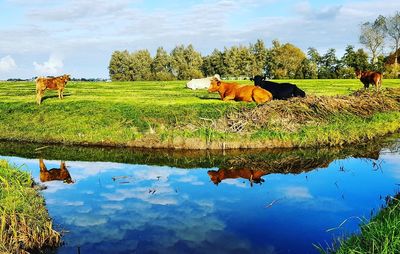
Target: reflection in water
54,174
276,160
167,202
254,166
254,176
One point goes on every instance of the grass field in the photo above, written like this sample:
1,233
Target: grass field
160,114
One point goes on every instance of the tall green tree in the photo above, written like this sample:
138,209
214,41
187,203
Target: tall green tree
119,66
214,64
313,55
329,65
231,61
260,57
161,65
358,60
314,62
139,65
194,61
284,61
186,62
239,61
308,70
246,65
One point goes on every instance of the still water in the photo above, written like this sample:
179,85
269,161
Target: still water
277,201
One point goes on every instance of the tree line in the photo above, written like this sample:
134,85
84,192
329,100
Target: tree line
280,61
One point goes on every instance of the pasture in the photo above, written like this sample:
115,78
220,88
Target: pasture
160,114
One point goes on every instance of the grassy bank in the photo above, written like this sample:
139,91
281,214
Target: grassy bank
380,235
24,221
269,160
166,115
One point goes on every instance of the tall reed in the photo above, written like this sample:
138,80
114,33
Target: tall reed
24,221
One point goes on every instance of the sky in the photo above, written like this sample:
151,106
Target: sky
53,37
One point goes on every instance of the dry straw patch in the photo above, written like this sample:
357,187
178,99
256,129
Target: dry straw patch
292,114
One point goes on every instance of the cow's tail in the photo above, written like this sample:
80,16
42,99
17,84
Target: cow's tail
297,92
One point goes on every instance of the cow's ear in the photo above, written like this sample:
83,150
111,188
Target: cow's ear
218,82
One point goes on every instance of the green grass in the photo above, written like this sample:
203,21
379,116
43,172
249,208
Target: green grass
379,236
159,114
24,221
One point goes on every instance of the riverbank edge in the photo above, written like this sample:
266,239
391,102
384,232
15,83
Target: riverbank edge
25,225
334,134
380,235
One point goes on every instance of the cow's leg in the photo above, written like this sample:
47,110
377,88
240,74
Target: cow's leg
42,166
378,83
228,98
39,96
59,94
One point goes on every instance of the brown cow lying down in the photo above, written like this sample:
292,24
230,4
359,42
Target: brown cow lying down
234,91
254,176
370,77
54,174
57,83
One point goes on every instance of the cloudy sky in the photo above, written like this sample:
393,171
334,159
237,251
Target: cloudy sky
51,37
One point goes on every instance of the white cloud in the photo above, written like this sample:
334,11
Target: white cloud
7,64
235,182
190,179
53,66
75,10
88,38
87,220
327,12
393,162
297,192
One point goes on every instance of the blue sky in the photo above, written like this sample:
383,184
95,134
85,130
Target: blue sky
48,37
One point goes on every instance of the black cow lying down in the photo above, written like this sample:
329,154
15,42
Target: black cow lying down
279,91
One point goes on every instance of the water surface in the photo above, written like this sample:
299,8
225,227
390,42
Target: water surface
136,201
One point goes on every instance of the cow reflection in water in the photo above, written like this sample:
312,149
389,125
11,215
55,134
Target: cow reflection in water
254,176
54,174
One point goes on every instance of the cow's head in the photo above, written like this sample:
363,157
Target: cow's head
214,86
65,78
358,73
214,176
68,180
258,80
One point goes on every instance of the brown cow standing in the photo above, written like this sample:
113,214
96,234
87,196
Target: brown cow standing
254,176
370,77
54,174
234,91
57,83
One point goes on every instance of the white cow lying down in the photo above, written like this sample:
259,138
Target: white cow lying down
201,83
